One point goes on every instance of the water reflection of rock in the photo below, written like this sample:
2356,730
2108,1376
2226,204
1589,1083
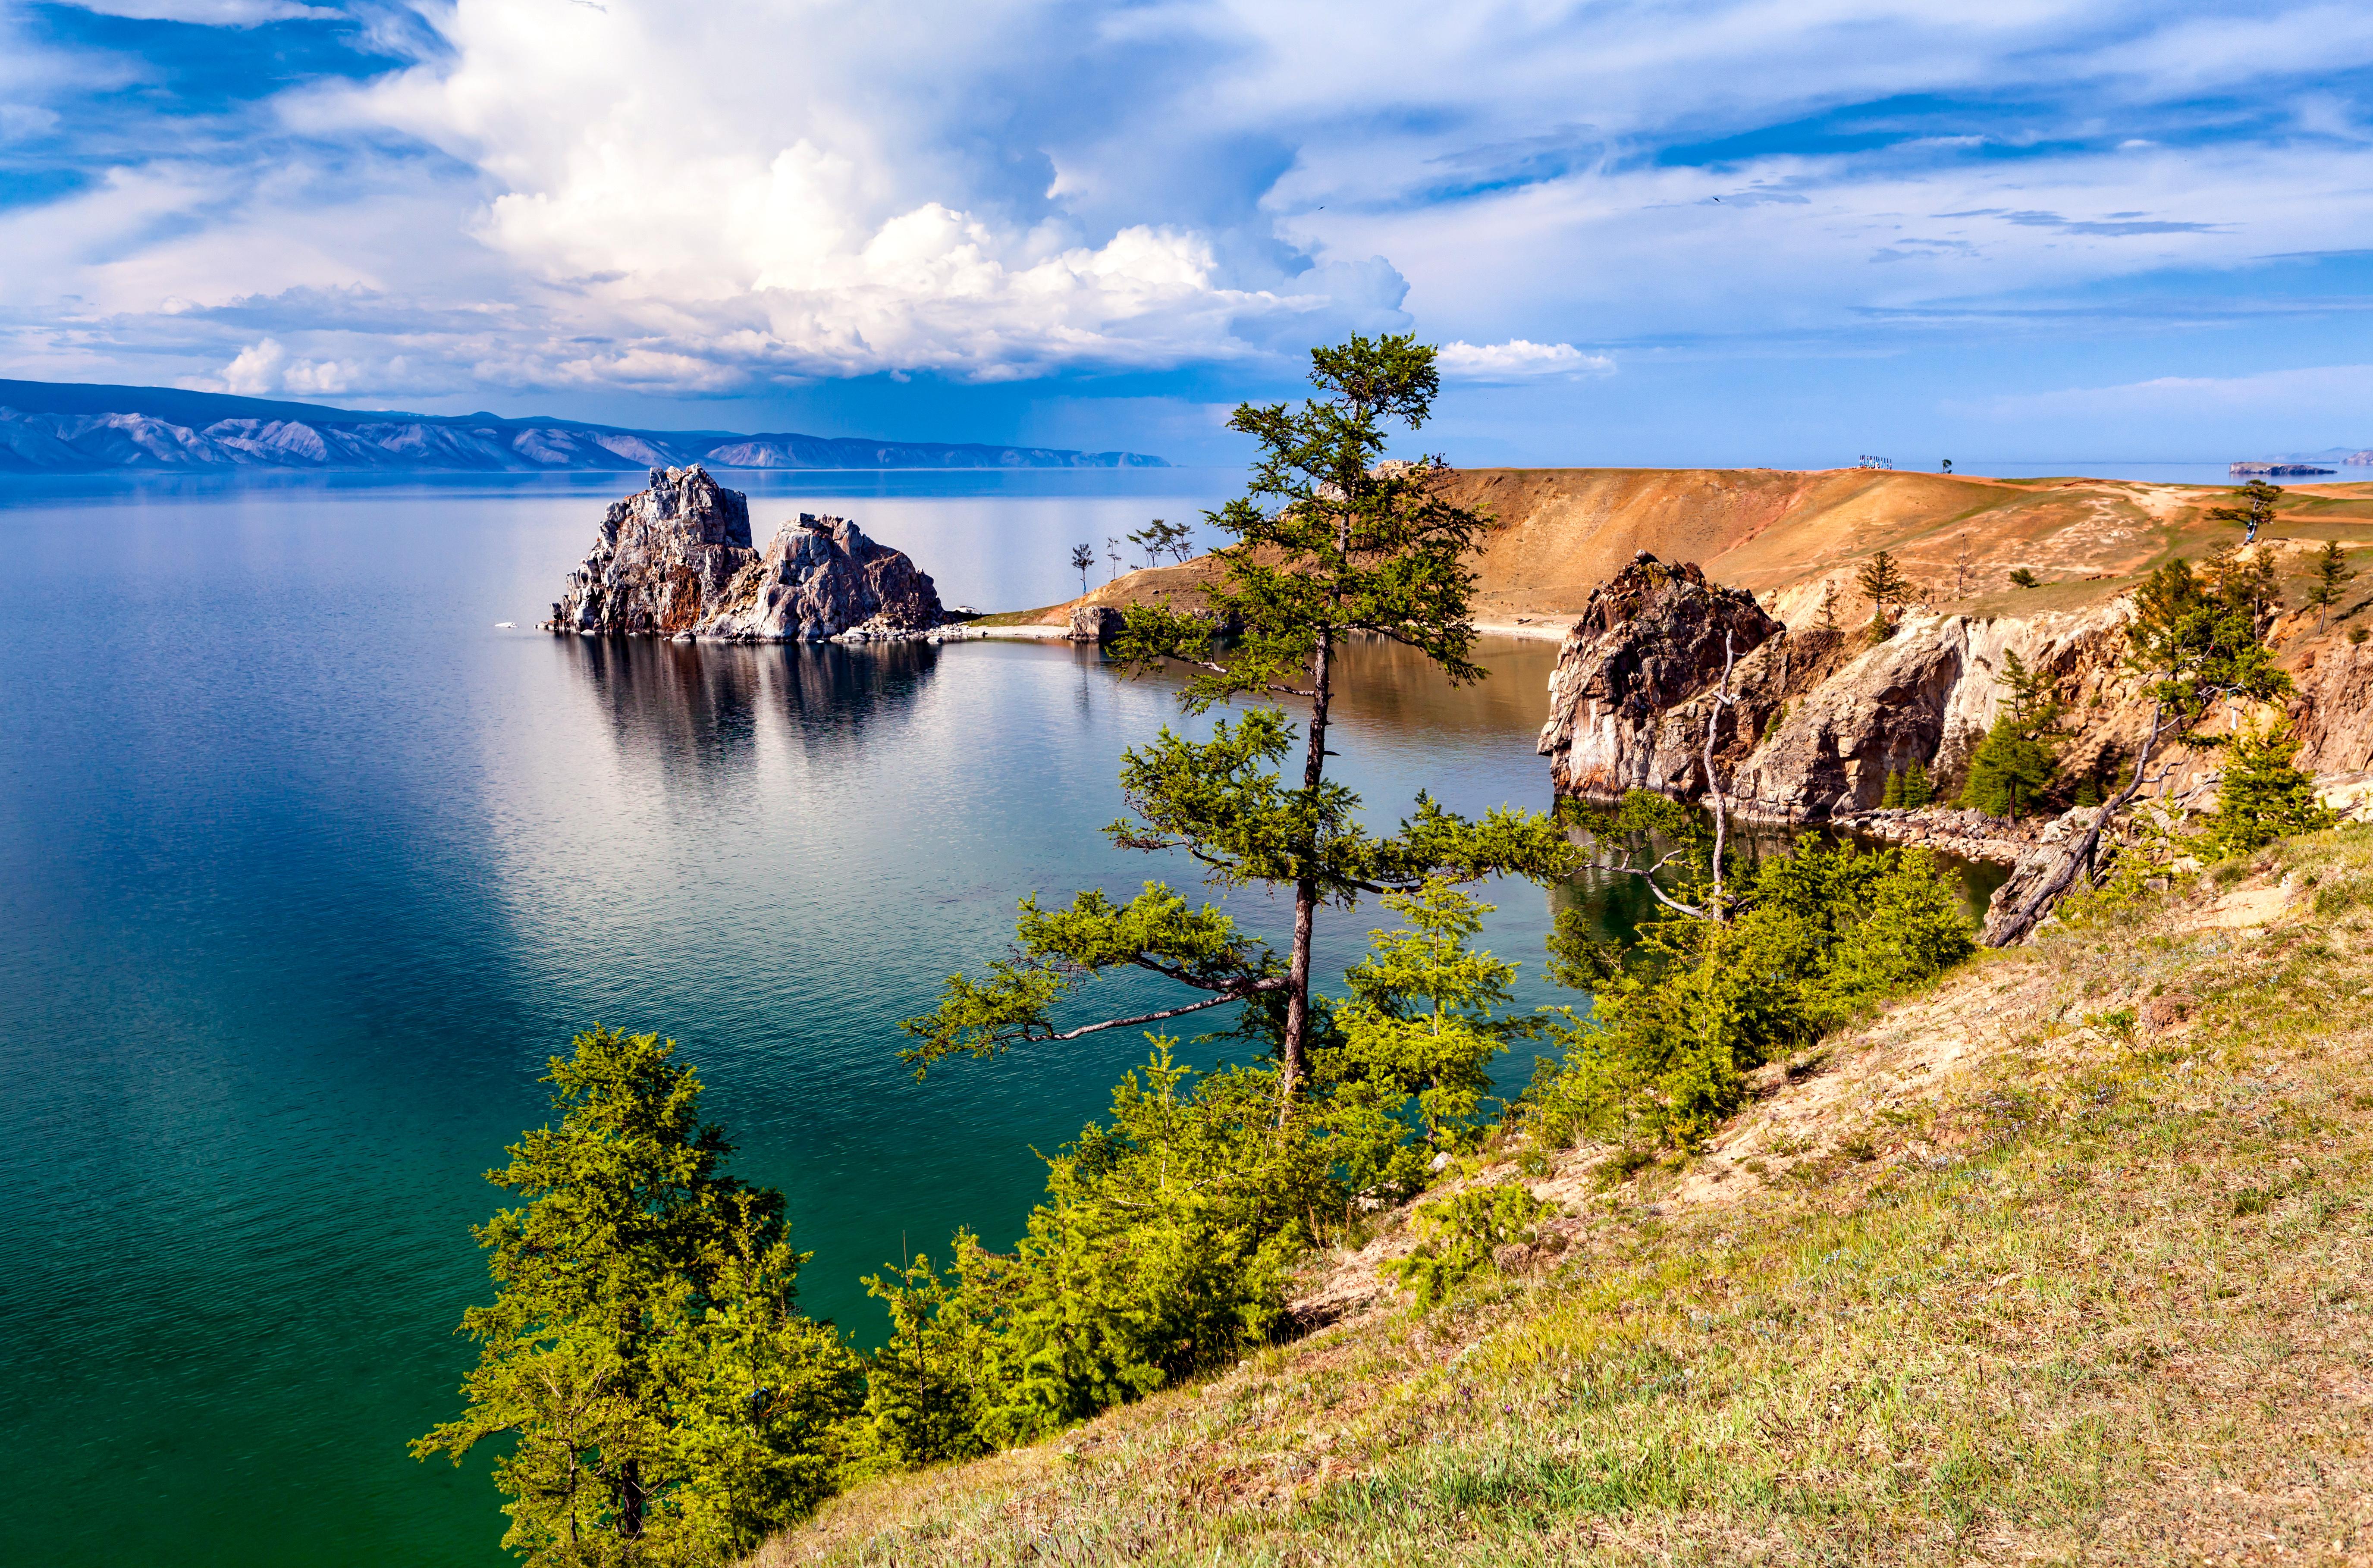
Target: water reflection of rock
1615,903
695,709
834,696
1387,687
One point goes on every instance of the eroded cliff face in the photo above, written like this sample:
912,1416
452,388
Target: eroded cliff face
1927,695
1819,719
822,578
2335,726
1651,637
676,560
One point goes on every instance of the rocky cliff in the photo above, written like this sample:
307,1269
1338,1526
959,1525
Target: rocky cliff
821,578
1651,639
676,560
1820,719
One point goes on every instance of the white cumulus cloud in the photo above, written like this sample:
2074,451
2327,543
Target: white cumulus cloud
1520,359
266,366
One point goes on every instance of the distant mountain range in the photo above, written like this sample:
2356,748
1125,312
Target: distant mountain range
69,428
2329,454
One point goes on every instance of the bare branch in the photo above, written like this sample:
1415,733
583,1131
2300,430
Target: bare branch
1277,984
1722,700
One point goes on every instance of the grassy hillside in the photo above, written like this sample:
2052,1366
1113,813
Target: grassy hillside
2064,1261
1563,530
1560,532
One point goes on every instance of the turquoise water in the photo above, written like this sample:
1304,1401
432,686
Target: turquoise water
305,867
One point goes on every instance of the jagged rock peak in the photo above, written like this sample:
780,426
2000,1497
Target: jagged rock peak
1650,637
658,558
676,560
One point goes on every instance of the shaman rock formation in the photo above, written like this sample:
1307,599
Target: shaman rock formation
676,560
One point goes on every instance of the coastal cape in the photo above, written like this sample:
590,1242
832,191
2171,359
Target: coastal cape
676,560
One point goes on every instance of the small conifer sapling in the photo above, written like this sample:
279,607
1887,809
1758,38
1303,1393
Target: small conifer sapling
2331,578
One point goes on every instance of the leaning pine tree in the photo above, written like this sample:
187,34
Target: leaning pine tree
1330,543
2194,644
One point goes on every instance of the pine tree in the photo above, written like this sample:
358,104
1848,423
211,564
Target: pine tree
665,1401
2332,576
2256,510
1919,789
2015,764
2263,794
1883,583
1157,539
1330,543
1892,796
1083,558
1828,606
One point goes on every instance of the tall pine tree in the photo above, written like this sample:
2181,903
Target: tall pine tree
1330,543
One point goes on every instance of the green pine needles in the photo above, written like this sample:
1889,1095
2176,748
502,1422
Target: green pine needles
664,1400
2013,765
2264,795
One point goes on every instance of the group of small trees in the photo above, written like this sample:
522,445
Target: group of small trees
1157,539
1718,984
2018,758
1908,788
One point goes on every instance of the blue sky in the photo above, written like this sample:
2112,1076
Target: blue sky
1726,232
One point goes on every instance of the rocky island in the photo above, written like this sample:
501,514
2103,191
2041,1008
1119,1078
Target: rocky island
676,560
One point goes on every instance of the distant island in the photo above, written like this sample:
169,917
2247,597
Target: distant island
2300,465
72,427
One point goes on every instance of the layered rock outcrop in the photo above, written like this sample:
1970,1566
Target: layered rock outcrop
1818,719
676,560
822,579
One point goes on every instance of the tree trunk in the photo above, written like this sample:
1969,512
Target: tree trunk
1305,892
630,1500
2081,856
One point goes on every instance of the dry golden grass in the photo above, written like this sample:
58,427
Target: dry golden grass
2091,1287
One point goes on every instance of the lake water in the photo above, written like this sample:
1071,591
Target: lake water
306,868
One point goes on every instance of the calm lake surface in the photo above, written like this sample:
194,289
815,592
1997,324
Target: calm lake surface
306,868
